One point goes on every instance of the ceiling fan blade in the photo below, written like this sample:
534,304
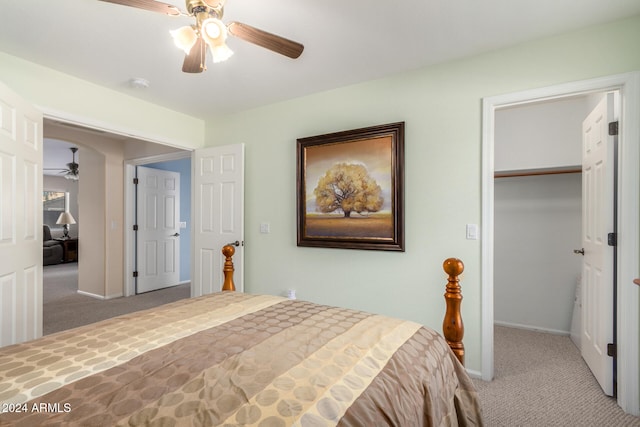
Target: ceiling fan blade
194,61
152,5
267,40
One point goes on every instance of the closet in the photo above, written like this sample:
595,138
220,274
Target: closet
538,213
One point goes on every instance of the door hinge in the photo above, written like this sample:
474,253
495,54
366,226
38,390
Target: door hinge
612,239
135,274
135,181
613,128
612,350
135,227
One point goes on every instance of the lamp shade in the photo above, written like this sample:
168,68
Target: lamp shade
184,38
214,33
66,218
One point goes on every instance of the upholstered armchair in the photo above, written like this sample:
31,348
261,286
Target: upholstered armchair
52,250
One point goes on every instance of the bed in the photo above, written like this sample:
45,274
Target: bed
234,359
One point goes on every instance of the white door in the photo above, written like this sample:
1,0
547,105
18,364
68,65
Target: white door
218,215
158,235
597,276
20,219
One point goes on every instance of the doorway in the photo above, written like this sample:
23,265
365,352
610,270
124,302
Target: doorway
628,219
540,216
538,212
173,222
180,163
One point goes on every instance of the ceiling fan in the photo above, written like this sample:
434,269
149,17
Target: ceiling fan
72,170
209,31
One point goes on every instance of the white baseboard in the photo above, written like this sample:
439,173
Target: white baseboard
474,374
102,297
532,328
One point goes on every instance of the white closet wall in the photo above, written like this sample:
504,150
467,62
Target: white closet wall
537,226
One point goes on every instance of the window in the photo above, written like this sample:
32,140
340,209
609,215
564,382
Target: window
53,204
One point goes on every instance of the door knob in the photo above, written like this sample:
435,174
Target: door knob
236,243
176,235
579,251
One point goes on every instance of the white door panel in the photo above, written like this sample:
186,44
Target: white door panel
158,211
218,215
20,219
598,203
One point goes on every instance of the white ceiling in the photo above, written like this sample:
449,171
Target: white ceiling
345,42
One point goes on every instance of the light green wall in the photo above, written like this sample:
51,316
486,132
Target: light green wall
63,96
441,106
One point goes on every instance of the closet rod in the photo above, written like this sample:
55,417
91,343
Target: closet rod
536,172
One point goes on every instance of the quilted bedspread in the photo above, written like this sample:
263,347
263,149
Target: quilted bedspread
238,359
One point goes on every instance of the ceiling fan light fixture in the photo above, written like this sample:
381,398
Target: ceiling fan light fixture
184,37
214,33
220,53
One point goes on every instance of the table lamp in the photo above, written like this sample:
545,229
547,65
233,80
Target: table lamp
66,218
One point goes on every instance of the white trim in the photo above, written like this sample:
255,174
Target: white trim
100,297
532,328
474,374
129,236
486,295
628,221
178,155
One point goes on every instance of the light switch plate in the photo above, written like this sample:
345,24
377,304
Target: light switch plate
265,228
472,231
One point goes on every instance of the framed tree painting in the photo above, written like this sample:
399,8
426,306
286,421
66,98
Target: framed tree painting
350,189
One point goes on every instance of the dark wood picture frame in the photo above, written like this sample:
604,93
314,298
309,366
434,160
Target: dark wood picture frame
350,189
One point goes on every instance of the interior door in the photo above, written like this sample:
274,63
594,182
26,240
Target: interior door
20,219
218,215
158,235
598,221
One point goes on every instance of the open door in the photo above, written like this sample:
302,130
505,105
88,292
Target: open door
158,234
20,219
217,215
598,190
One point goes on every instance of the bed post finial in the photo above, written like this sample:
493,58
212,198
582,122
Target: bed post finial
452,326
228,285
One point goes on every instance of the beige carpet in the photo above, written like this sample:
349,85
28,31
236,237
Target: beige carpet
541,380
63,308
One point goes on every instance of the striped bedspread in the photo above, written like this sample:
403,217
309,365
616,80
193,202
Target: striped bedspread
235,359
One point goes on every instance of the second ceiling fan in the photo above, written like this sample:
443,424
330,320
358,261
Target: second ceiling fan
209,31
72,171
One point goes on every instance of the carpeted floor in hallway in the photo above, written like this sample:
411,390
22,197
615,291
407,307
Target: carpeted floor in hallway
64,308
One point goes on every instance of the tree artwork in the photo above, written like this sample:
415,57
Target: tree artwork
348,187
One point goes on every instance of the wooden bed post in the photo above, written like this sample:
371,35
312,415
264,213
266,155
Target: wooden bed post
452,326
228,285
